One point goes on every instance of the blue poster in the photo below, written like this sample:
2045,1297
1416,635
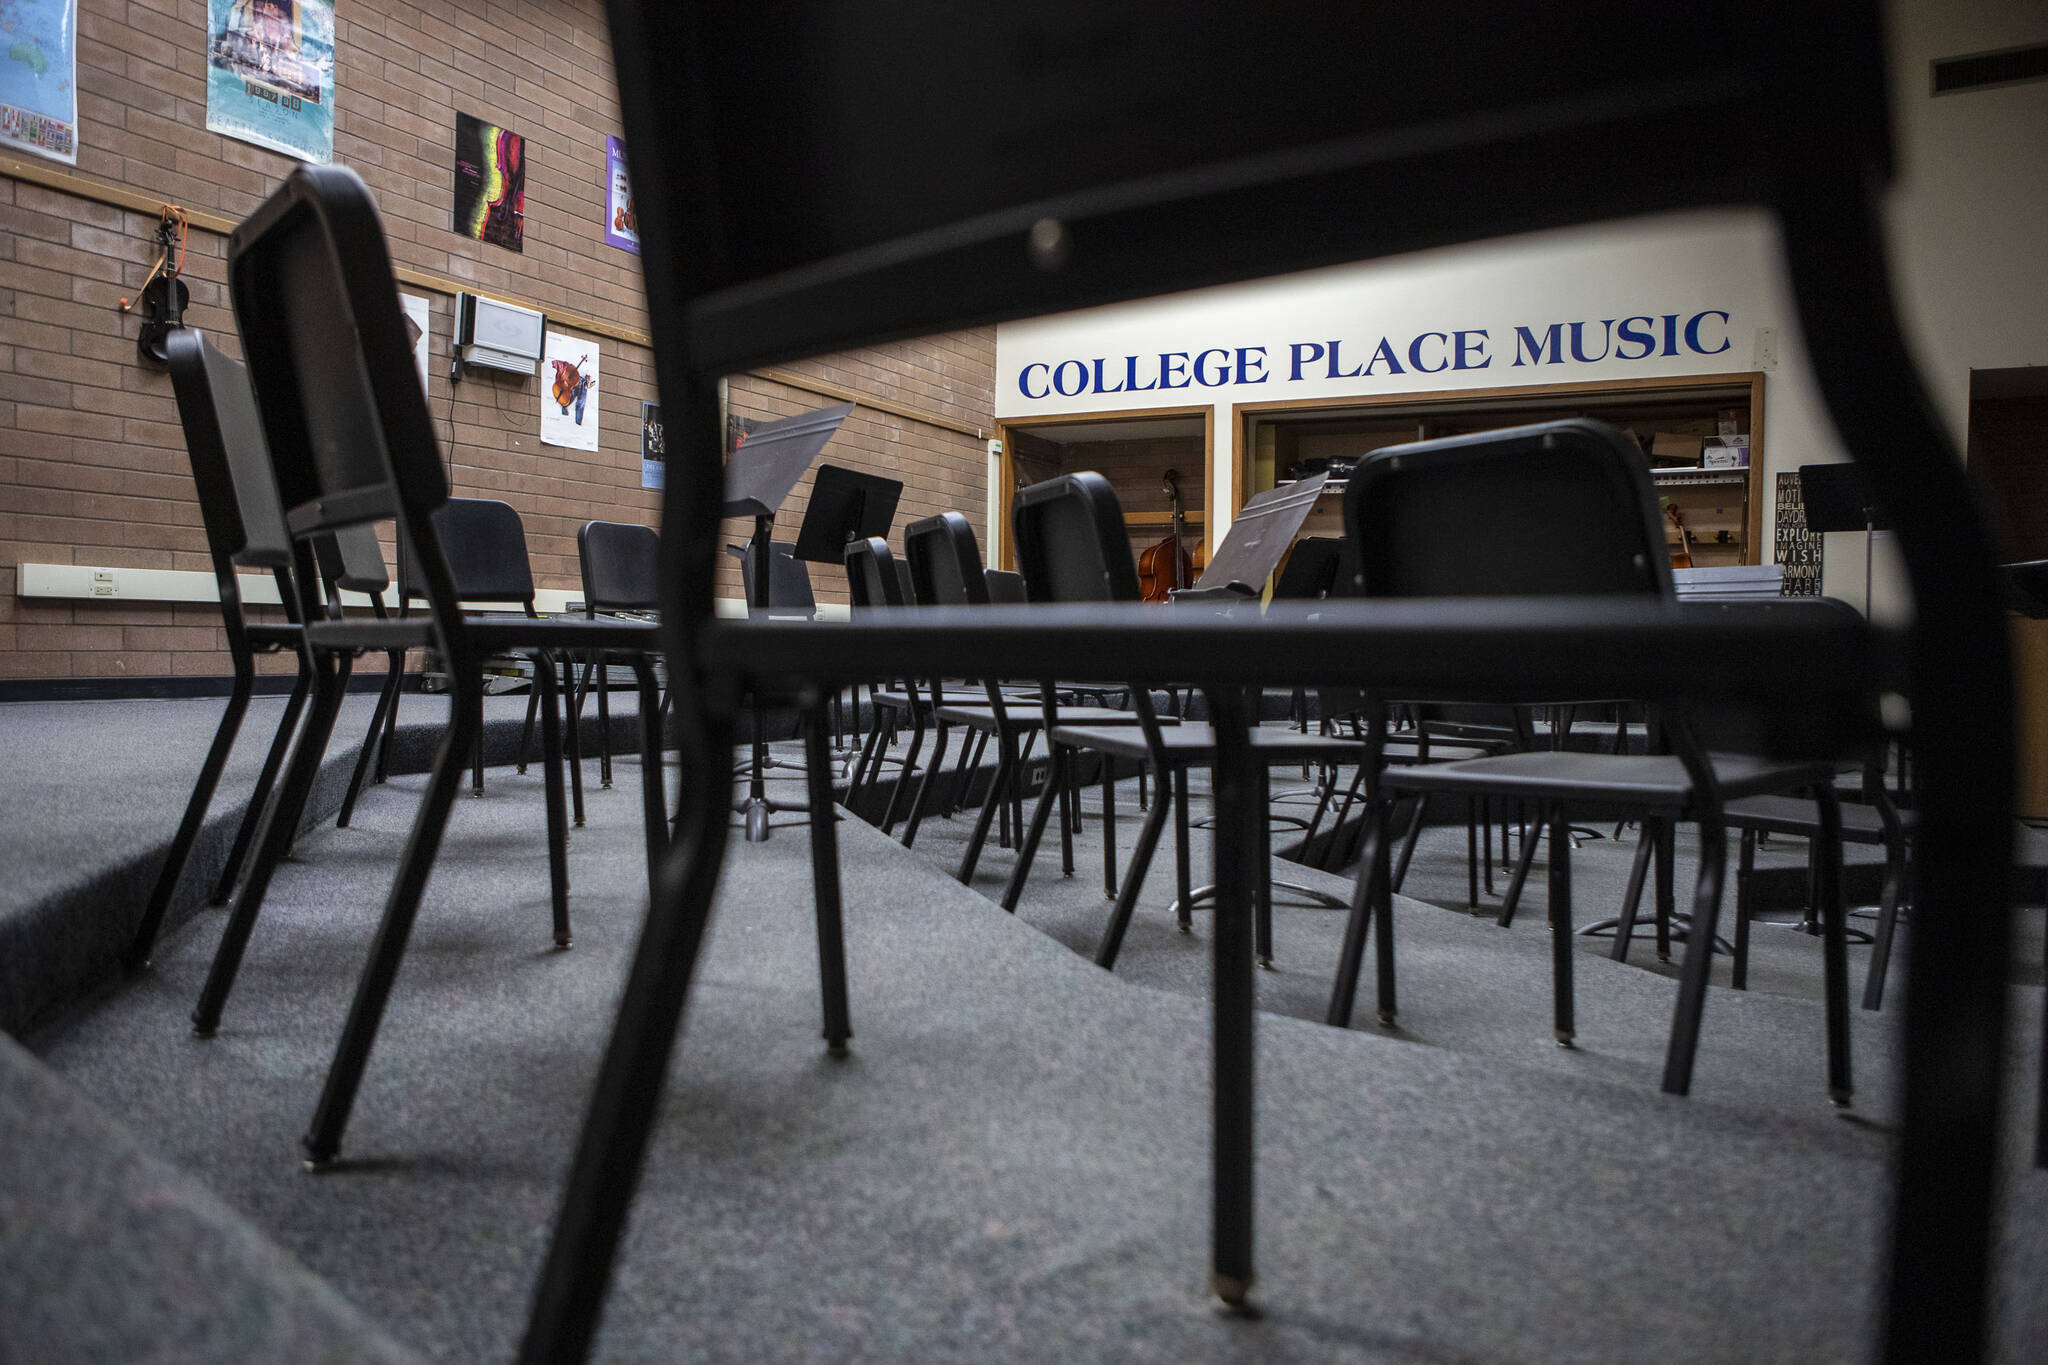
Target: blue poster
39,77
270,74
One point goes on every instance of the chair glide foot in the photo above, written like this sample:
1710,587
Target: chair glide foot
1266,962
1234,1292
838,1051
564,940
1841,1099
204,1030
1565,1040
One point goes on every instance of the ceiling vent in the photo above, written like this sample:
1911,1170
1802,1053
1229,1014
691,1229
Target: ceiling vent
1982,70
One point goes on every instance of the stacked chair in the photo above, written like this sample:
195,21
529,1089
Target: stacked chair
1477,122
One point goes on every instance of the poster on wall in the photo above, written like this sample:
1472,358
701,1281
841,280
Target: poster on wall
270,74
621,228
653,454
1796,548
418,323
568,400
39,78
490,183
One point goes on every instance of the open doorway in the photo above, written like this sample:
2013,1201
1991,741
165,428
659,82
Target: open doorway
1136,452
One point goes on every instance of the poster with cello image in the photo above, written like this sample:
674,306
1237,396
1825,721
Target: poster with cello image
490,183
568,392
621,228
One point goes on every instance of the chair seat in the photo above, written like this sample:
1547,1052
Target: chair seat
1637,781
1798,817
1194,743
1028,716
274,635
951,696
492,633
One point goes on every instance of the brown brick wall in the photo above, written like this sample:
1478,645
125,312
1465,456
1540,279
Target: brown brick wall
92,463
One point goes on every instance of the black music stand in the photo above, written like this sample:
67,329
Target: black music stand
1837,498
846,506
769,462
1257,541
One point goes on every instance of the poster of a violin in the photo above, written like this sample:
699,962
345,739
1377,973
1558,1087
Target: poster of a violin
568,400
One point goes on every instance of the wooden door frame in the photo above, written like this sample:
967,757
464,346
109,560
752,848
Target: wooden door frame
1003,553
1244,415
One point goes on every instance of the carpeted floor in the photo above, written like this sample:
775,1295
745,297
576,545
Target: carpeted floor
1013,1163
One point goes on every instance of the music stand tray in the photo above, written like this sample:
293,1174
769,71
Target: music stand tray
772,458
846,505
1837,498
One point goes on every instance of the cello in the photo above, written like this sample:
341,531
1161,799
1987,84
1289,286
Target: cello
1166,566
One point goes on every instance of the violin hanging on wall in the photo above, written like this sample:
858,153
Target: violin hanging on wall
1167,565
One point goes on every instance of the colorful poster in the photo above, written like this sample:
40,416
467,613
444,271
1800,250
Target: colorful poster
568,400
653,453
270,74
490,183
1797,549
39,77
621,228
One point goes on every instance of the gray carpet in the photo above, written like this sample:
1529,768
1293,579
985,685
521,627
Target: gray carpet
1013,1163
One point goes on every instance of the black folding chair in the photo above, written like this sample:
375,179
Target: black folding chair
1084,182
352,444
1565,508
244,529
621,565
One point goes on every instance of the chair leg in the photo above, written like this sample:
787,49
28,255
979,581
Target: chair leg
824,824
1365,899
1699,955
1060,772
476,748
1183,878
1134,881
627,1096
1262,880
1666,854
1472,854
373,990
547,687
382,773
1027,848
653,795
1887,924
1006,763
1745,870
1408,842
173,870
1108,827
903,774
1513,900
526,730
604,725
365,760
1563,1029
266,780
1632,895
1834,946
279,826
1232,1152
940,737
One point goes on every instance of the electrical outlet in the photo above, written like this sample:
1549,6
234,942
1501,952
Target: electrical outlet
103,584
1766,348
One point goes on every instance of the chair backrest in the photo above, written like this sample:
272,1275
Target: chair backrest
945,562
343,414
1071,541
621,563
1318,566
1559,509
230,462
789,578
1005,587
871,576
484,544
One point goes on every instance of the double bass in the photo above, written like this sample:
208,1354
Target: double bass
1167,565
